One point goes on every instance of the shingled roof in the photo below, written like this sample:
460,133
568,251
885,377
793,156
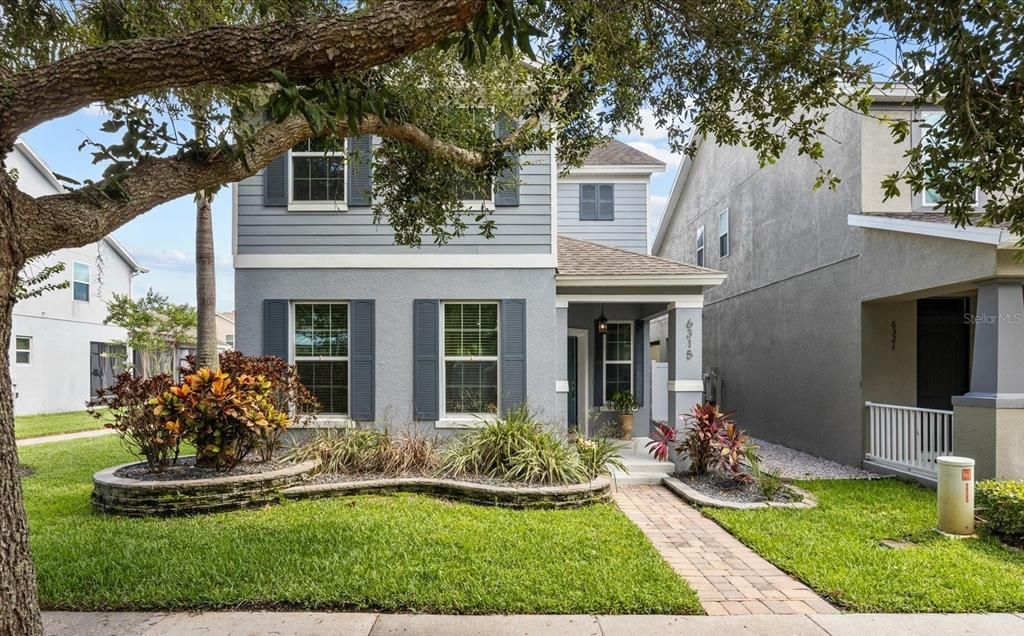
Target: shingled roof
616,153
583,258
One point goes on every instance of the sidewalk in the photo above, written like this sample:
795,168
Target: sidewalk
312,624
63,437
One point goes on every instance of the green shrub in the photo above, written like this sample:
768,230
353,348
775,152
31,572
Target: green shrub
546,460
1000,504
767,480
344,451
599,456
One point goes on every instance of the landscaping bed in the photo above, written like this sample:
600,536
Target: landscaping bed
395,553
719,491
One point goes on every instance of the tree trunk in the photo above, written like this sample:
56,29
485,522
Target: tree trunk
19,606
206,285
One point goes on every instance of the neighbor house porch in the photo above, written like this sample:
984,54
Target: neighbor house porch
606,300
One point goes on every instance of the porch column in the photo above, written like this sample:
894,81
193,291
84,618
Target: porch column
562,364
988,422
685,379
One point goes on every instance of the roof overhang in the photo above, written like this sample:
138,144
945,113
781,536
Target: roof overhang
125,255
995,236
605,170
639,282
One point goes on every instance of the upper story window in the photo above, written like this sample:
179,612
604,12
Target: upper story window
470,358
320,352
80,281
316,175
23,349
597,202
229,340
723,233
618,359
700,246
931,198
473,194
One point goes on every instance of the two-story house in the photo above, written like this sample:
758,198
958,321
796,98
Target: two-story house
853,327
61,352
551,313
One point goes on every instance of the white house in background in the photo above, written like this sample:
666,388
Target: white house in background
225,330
60,350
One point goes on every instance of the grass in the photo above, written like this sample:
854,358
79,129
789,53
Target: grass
54,423
400,553
835,549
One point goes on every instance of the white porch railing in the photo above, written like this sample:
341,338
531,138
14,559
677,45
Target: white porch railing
908,439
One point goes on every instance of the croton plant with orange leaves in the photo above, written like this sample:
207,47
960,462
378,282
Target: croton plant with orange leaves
224,416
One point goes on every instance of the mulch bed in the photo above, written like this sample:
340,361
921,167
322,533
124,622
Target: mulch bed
186,469
341,478
722,487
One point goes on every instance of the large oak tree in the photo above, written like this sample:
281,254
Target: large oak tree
432,78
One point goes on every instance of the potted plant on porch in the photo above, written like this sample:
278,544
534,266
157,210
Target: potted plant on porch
625,405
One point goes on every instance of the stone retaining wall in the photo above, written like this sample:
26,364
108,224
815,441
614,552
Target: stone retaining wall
140,498
571,496
694,496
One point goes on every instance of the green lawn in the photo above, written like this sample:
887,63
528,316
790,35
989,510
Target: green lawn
385,553
834,548
54,423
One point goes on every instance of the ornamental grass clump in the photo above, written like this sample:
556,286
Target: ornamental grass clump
1000,505
599,456
369,452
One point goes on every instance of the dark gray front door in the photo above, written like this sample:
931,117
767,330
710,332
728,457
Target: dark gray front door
943,351
574,372
105,362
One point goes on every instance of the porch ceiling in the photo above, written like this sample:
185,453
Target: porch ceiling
586,264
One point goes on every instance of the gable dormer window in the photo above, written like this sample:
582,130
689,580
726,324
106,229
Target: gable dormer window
597,202
316,176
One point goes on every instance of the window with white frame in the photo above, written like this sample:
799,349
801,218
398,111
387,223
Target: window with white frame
700,246
23,349
320,352
931,198
316,175
229,340
723,233
618,359
470,357
80,281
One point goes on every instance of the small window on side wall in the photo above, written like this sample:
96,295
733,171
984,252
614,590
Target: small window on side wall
597,202
723,233
700,246
80,281
23,350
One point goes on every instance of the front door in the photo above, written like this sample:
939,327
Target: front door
574,376
943,351
106,361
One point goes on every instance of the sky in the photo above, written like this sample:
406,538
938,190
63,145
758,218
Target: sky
163,239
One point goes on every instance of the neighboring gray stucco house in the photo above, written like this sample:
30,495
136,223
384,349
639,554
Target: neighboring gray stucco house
60,350
441,336
839,299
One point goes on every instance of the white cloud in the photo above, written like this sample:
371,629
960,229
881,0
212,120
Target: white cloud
658,152
164,259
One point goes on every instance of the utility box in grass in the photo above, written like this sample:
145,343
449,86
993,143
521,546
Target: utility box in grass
956,496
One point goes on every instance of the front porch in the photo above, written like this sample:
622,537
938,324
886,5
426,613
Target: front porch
606,300
943,374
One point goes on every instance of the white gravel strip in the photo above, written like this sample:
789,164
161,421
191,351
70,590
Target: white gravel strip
795,464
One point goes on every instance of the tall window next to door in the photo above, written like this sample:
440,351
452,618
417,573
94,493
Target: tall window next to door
80,283
320,342
316,176
618,359
470,358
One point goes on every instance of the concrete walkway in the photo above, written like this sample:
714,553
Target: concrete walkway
729,577
63,437
313,624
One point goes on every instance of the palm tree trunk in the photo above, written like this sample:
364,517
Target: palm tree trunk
206,285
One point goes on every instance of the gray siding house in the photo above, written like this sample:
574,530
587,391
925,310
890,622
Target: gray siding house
852,327
445,336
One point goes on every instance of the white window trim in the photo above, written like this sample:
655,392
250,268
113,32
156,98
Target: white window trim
604,368
87,283
923,143
701,247
467,420
31,342
293,359
317,206
726,233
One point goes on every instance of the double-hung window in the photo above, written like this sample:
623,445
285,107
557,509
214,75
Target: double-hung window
597,202
80,281
320,351
23,350
932,120
316,175
618,359
700,246
470,357
723,233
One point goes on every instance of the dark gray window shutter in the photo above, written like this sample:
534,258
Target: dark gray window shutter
639,364
275,328
513,353
426,373
606,202
506,191
588,202
275,183
362,348
360,170
598,367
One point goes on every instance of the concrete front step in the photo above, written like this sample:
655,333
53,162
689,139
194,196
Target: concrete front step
643,468
637,479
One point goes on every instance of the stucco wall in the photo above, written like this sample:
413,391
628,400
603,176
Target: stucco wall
889,337
394,291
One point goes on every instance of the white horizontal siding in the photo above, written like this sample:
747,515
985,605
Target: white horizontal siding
628,230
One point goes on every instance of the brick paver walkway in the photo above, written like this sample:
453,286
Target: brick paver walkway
729,577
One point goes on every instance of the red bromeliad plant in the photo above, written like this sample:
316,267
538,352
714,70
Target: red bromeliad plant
709,440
